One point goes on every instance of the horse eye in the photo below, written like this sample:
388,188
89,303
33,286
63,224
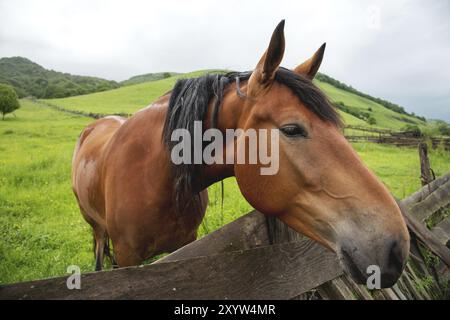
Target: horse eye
293,130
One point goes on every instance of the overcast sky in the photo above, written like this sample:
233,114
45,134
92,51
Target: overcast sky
398,50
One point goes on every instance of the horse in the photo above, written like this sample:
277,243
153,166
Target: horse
132,194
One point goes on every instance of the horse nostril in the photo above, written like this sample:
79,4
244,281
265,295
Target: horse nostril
352,267
395,258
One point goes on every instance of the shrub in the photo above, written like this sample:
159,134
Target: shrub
372,121
8,100
444,128
353,111
413,129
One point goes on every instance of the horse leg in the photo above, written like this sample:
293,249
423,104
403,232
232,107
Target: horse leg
100,238
110,255
100,243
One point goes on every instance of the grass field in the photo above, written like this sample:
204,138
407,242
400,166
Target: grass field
129,99
41,227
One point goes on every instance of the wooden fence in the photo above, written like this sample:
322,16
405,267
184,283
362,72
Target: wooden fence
400,141
396,138
255,257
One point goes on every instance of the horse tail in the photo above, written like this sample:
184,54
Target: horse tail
94,245
108,252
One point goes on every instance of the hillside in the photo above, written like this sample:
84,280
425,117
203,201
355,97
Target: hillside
30,79
384,118
129,99
148,77
387,104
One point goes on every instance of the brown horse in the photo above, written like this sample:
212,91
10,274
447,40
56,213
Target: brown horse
129,189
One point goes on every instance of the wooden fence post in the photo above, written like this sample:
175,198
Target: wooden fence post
426,174
280,232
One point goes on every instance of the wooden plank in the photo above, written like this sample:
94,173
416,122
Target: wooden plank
425,191
415,279
404,289
336,289
389,294
425,235
309,295
378,295
438,199
279,232
442,231
246,232
398,292
278,271
359,289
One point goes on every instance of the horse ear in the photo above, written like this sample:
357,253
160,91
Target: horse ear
267,66
310,67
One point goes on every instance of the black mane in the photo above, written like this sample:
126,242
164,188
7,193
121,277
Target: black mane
189,102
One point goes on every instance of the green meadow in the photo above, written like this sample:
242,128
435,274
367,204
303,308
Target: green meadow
42,230
127,99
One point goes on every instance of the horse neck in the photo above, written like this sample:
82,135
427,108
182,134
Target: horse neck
229,117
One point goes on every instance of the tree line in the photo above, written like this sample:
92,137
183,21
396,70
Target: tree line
30,79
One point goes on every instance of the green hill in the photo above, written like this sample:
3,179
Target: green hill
384,117
387,104
148,77
30,79
129,99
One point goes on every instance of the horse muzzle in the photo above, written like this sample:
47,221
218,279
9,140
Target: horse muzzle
383,259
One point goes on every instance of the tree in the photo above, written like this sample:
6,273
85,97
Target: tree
413,129
8,100
371,120
444,128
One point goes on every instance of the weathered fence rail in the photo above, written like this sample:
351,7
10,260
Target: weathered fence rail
397,138
369,129
400,141
249,258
